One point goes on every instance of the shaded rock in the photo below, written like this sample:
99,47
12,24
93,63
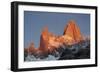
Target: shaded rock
75,53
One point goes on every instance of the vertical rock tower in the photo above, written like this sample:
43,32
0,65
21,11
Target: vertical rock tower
72,32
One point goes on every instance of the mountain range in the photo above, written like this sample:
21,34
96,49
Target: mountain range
51,44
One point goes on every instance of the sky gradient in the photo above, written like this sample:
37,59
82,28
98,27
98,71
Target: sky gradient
35,21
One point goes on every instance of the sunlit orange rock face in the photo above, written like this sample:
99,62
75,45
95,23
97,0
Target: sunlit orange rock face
72,33
50,42
47,41
44,38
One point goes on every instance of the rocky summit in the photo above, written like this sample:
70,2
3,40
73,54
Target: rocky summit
72,33
69,45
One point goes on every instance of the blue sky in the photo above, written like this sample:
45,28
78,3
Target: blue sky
35,21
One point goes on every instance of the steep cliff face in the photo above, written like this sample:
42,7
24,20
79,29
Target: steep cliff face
50,43
44,39
72,33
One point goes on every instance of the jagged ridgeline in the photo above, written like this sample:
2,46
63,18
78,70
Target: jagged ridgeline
71,45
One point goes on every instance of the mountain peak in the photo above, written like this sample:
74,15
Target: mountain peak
45,31
50,42
70,25
72,32
44,38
